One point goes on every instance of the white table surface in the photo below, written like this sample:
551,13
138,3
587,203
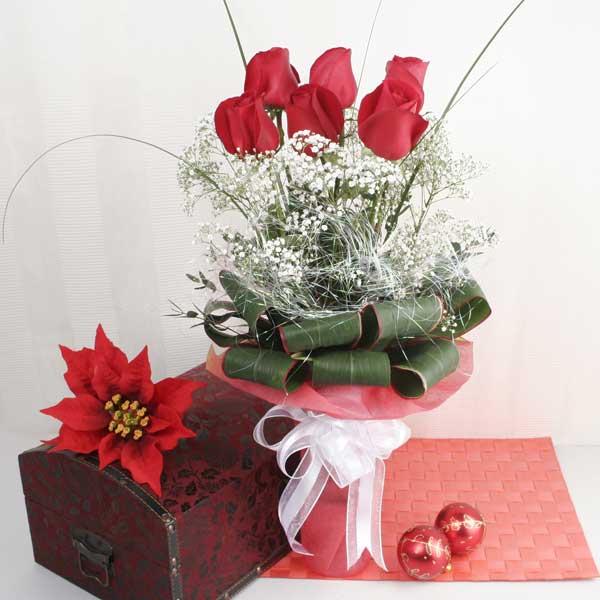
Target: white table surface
22,579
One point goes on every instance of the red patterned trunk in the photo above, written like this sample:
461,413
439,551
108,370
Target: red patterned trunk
214,529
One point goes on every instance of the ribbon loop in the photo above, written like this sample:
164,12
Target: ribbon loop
350,452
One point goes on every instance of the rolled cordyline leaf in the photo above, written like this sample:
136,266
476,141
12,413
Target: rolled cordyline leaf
471,308
275,369
418,367
248,303
337,330
411,370
387,322
351,367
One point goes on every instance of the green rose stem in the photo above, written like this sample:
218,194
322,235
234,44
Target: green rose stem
235,33
279,118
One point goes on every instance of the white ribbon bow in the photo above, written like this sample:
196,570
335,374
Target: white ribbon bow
352,453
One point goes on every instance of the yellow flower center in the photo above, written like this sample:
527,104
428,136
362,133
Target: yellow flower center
127,417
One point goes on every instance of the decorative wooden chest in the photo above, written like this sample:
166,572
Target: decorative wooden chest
214,529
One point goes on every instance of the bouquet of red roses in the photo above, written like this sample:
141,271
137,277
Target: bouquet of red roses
346,290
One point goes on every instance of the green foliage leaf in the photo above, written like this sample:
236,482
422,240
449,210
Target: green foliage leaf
202,281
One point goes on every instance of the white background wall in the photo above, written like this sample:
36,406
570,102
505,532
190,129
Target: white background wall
96,233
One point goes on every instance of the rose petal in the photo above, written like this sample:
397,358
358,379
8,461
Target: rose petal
135,382
80,369
333,70
243,126
144,461
114,357
83,413
110,449
269,73
176,392
399,67
392,134
317,109
78,441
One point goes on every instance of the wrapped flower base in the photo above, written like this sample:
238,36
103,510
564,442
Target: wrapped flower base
333,499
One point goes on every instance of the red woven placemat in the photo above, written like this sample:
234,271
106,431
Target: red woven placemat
533,532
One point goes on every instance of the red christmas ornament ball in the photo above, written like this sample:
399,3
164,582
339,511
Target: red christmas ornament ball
424,552
463,525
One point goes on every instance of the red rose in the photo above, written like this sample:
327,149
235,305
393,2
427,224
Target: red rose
388,119
333,70
271,74
317,109
119,412
398,67
243,125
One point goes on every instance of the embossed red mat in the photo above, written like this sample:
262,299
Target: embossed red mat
533,532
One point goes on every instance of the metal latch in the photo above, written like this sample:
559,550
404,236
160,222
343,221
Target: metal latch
94,555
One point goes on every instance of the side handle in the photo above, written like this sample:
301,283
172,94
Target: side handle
94,555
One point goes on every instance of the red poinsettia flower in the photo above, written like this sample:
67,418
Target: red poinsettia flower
119,412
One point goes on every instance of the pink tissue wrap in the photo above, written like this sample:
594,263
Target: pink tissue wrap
354,401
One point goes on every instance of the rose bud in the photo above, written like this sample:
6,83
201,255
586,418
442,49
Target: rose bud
398,67
388,119
317,109
271,74
243,125
333,70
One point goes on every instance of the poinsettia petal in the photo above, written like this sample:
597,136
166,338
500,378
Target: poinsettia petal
51,442
80,369
144,461
110,449
176,392
83,442
168,438
135,380
82,413
157,424
115,357
105,380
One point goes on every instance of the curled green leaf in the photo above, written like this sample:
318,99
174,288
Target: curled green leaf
418,366
336,330
268,367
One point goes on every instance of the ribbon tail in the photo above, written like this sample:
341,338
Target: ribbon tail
363,516
299,498
376,545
